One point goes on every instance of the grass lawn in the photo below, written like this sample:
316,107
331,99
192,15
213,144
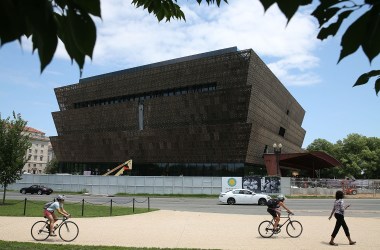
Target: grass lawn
35,209
10,245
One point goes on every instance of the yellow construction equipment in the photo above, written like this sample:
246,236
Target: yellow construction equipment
122,167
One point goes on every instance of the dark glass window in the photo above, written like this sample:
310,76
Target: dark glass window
168,92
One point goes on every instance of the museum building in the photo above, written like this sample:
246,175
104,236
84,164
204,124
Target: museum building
210,114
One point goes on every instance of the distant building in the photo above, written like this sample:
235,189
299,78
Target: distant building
211,114
37,153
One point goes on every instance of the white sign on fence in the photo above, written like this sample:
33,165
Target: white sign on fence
86,172
229,183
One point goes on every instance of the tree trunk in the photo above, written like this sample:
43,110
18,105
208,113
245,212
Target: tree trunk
5,190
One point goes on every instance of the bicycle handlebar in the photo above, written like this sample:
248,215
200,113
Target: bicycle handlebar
288,216
66,217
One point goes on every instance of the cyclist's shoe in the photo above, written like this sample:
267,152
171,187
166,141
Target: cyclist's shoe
53,235
276,230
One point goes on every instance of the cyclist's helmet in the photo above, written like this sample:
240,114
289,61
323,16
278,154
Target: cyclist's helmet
61,197
281,197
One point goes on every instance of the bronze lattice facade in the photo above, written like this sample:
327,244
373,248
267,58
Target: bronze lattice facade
209,114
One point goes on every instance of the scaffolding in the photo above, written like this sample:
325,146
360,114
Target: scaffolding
122,167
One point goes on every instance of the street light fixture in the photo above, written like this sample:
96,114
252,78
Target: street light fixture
277,150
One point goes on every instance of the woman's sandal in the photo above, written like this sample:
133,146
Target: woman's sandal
333,244
352,242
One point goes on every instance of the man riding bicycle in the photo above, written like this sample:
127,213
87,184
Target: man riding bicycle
275,210
55,206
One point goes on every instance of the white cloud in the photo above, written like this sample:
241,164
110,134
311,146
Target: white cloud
296,70
129,37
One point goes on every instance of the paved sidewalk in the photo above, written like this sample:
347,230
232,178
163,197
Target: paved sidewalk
174,229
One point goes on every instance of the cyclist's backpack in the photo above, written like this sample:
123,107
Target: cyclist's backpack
272,203
47,204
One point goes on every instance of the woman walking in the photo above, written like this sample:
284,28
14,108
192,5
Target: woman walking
338,211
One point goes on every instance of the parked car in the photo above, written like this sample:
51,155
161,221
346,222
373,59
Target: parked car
36,189
243,196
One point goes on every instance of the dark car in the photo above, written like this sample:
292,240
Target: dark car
36,189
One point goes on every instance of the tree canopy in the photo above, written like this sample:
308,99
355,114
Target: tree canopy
47,21
359,155
52,167
14,143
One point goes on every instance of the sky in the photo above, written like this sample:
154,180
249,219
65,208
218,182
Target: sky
129,37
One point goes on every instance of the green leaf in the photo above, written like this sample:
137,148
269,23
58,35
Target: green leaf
267,3
161,14
212,2
12,23
83,31
373,2
371,40
65,34
40,25
364,78
324,15
288,8
148,5
138,3
353,37
46,43
167,8
61,3
334,27
152,6
166,11
377,86
90,6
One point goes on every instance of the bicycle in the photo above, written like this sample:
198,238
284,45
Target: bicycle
67,230
293,228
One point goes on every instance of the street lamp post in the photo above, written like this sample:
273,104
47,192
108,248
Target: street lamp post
277,150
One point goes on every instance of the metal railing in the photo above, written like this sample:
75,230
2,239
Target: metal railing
111,202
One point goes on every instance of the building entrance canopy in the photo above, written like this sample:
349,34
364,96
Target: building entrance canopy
304,161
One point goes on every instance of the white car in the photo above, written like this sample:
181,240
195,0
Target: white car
243,196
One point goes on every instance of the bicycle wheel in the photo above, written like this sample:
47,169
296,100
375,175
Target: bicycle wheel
68,231
40,230
294,228
266,229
